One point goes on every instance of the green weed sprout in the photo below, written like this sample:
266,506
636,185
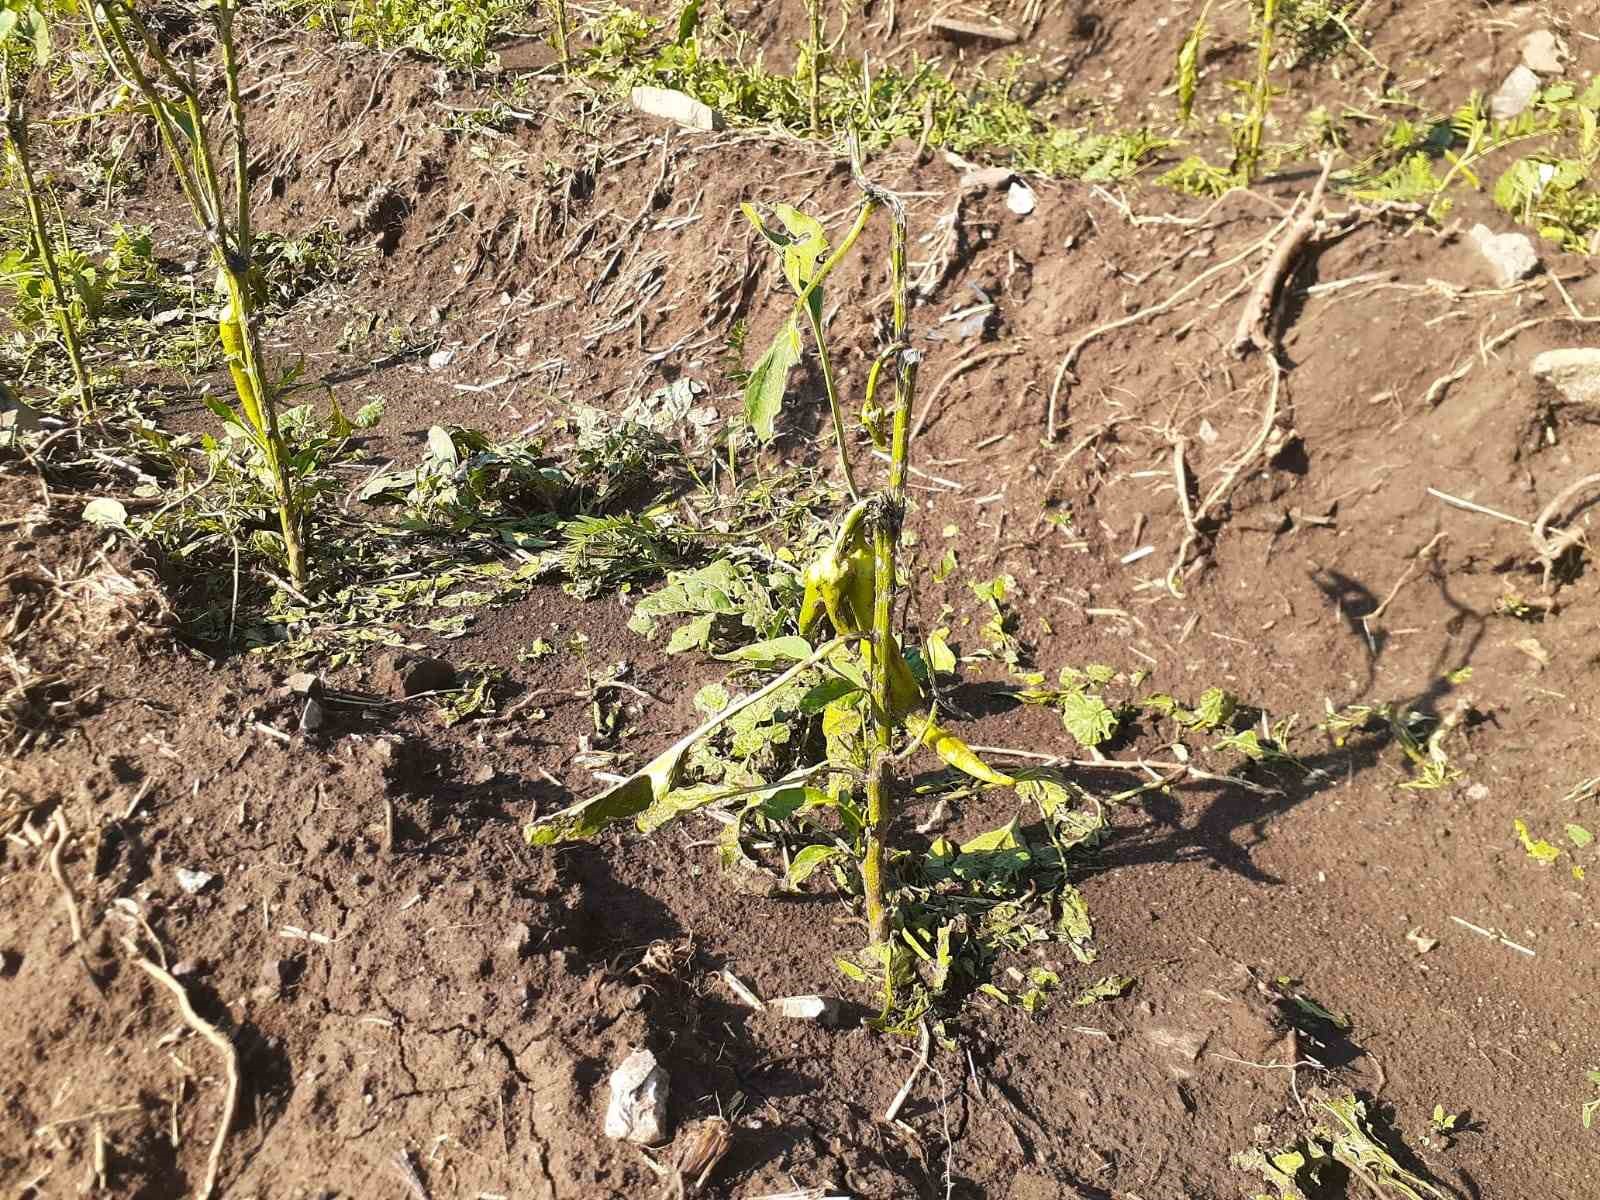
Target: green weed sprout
25,33
117,30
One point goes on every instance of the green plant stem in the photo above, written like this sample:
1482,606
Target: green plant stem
813,56
889,514
199,180
1260,94
243,236
562,32
16,125
868,207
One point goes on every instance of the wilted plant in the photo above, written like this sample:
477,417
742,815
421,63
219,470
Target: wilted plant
872,703
173,98
25,34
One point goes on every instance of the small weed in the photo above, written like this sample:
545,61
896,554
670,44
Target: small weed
459,33
1345,1134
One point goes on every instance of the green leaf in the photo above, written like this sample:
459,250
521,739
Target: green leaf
1579,836
695,635
763,391
825,693
1087,718
1074,923
940,657
1107,988
805,863
769,652
688,21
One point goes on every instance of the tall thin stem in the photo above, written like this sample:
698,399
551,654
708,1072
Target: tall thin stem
201,183
814,318
888,516
813,63
1261,94
16,124
562,32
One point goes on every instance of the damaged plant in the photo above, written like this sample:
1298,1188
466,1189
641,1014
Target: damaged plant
172,97
934,921
24,39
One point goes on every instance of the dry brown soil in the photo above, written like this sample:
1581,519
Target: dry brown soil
401,976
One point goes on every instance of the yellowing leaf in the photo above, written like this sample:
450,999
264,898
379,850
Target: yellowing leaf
954,751
1538,849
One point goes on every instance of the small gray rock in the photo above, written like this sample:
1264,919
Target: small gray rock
1542,53
1574,373
1185,1044
637,1111
1510,256
193,881
303,684
825,1010
1515,94
312,716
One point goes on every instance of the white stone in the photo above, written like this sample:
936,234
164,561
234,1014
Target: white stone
193,881
637,1111
1542,53
1574,373
1510,256
822,1009
678,107
1020,198
1515,94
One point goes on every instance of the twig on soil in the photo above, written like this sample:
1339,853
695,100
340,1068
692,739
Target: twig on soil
966,364
408,1174
1252,331
1416,561
1550,548
1154,310
230,1058
925,1043
1493,936
67,893
1437,389
1469,506
742,991
1230,476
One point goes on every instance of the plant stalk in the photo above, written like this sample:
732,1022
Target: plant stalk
888,517
231,247
562,32
1260,95
814,56
16,125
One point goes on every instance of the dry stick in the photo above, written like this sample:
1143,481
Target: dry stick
1416,561
1229,477
67,894
1437,389
965,365
1155,310
1550,548
923,1048
1252,332
224,1047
